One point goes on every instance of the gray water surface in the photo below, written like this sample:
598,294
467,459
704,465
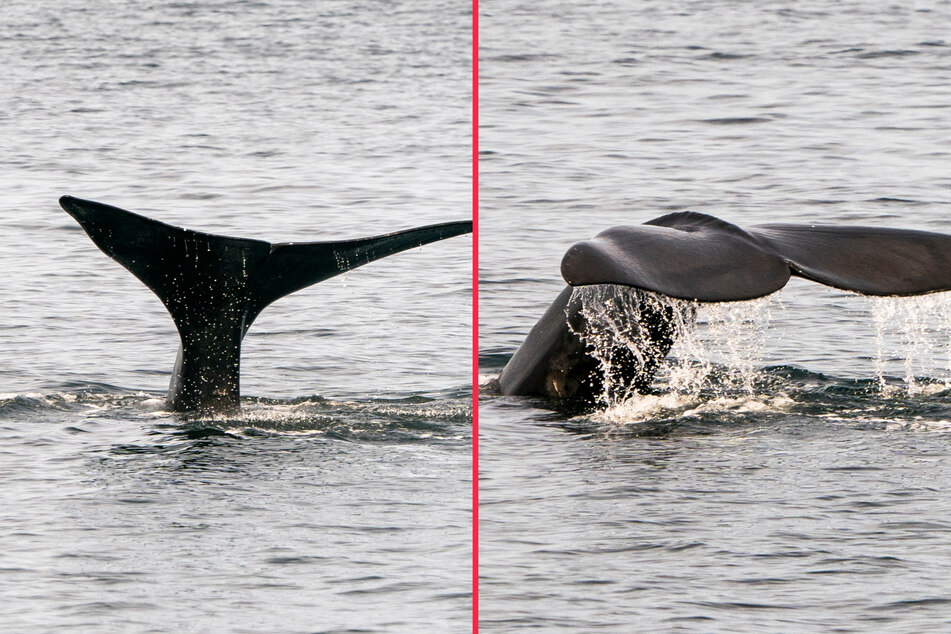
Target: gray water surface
340,498
800,486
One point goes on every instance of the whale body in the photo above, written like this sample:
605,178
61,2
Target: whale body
699,258
215,286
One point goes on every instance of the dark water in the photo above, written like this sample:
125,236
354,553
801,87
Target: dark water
790,473
340,498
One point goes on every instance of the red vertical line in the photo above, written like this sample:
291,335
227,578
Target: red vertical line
475,316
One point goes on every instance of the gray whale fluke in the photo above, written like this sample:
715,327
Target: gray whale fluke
215,286
700,258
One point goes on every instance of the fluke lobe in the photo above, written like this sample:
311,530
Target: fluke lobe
215,286
696,257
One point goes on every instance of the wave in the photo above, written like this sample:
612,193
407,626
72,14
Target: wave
764,395
411,418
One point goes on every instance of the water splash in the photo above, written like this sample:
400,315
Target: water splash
625,318
724,351
913,334
717,347
717,364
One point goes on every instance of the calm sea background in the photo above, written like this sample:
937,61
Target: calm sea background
340,499
798,482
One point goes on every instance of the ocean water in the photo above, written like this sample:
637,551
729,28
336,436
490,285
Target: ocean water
789,474
339,500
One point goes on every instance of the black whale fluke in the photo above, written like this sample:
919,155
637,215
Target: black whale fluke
215,286
693,256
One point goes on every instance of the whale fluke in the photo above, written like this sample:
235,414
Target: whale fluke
215,286
696,257
685,255
867,260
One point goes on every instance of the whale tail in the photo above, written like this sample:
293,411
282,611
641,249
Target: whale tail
700,258
215,286
694,256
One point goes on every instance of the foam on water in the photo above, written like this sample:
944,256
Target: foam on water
647,407
398,420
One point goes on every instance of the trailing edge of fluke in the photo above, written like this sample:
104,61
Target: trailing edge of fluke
693,256
215,286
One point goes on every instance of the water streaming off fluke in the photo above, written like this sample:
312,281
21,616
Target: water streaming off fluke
913,336
720,348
